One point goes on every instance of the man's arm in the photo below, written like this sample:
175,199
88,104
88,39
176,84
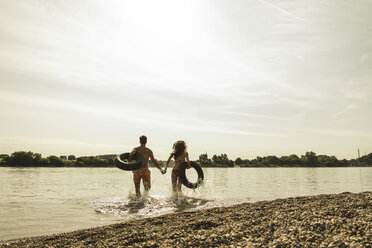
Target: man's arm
169,159
131,155
153,160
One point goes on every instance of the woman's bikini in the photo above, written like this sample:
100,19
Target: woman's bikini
178,161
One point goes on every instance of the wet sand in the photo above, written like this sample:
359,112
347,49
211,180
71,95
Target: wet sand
339,220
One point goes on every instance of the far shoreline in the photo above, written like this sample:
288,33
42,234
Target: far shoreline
218,167
309,159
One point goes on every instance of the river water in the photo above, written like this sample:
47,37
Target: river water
39,201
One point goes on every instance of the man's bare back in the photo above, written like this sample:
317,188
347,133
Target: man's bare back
145,153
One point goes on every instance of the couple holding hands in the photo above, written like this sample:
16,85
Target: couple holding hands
179,154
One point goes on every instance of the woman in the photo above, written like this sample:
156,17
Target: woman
180,155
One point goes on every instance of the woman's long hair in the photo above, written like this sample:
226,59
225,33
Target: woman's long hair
179,147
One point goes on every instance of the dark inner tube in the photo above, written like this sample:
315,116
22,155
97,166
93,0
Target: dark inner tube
136,163
184,179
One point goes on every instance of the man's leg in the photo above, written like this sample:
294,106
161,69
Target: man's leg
137,182
138,189
146,179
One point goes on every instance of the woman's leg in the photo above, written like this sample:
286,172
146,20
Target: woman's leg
174,181
179,184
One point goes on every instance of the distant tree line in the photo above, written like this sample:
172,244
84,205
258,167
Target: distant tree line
310,159
25,159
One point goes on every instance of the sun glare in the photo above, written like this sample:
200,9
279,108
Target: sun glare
162,39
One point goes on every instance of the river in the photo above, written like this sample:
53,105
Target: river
39,201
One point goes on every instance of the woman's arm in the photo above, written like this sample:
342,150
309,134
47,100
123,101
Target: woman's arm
153,160
169,159
188,160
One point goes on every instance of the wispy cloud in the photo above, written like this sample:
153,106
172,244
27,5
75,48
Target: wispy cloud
260,69
285,12
337,132
365,57
344,110
164,119
50,146
257,116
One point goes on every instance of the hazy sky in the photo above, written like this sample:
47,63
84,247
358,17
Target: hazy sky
246,78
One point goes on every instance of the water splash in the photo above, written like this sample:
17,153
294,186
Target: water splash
131,207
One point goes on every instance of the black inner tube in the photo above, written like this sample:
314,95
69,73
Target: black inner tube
184,179
136,163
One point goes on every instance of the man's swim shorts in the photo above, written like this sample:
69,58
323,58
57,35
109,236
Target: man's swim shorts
142,173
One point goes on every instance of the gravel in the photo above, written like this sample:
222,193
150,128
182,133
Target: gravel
337,220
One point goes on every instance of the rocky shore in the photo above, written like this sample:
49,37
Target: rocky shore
340,220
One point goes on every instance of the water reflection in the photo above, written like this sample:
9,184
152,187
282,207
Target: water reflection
27,171
311,178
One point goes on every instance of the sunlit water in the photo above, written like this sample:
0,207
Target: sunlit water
38,201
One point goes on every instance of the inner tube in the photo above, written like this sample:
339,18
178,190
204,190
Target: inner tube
184,179
136,163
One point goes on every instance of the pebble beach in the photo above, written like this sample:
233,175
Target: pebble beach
336,220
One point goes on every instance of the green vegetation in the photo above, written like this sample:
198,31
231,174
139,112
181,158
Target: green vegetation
30,159
310,159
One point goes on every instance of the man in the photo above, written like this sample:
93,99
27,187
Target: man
143,172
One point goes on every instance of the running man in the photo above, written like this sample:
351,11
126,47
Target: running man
143,172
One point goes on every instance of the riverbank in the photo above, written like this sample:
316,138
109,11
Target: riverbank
339,220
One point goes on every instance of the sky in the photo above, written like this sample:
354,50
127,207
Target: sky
245,78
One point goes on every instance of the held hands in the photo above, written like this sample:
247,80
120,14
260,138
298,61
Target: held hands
163,171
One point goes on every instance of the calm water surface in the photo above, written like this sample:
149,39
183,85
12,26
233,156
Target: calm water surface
38,201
